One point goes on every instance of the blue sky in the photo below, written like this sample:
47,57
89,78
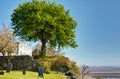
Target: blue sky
98,30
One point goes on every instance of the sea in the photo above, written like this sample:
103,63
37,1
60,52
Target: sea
110,78
109,71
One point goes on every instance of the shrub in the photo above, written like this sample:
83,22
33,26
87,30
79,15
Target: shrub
47,66
61,62
45,63
74,67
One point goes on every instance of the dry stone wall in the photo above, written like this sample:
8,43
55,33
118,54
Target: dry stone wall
18,62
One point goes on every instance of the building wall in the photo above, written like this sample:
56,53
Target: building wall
23,49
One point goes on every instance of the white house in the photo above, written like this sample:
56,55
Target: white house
23,49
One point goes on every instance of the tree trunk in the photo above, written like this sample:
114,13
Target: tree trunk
42,52
9,57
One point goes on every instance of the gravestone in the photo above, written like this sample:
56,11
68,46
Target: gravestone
24,71
40,71
9,67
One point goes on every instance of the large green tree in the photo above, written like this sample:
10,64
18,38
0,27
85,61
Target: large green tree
46,22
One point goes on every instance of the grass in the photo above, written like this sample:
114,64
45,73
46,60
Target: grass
30,75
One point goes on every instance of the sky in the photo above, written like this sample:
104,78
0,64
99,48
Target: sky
97,33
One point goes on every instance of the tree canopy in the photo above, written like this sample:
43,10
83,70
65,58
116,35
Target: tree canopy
44,21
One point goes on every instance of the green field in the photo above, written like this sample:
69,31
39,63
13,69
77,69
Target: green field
30,75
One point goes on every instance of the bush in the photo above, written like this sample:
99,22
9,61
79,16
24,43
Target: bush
45,63
47,66
60,62
74,67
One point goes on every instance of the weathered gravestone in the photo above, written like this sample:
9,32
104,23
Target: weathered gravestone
9,67
40,71
24,71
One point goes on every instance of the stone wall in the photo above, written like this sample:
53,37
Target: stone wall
18,62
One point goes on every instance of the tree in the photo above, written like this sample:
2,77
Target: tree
7,41
59,52
7,44
84,71
46,22
3,40
49,51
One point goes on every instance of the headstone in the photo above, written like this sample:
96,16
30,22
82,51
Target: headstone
9,67
24,71
40,71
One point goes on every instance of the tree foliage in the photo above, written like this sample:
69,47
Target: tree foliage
7,41
46,22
